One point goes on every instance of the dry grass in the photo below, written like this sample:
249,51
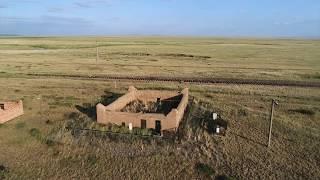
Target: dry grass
25,152
241,153
245,58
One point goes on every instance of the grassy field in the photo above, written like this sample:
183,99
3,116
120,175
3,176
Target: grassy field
25,152
197,57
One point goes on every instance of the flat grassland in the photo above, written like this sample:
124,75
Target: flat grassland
26,153
196,57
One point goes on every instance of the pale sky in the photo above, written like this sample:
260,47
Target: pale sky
256,18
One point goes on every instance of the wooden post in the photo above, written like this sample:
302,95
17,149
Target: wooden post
40,108
274,102
97,52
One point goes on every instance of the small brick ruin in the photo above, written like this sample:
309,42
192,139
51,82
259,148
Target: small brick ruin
152,109
10,110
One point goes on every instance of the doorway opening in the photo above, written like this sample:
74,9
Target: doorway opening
158,127
143,124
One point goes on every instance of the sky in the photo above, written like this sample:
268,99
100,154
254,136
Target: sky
227,18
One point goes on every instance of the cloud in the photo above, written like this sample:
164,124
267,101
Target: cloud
64,20
91,3
45,25
21,1
82,5
46,20
55,9
13,19
9,3
298,22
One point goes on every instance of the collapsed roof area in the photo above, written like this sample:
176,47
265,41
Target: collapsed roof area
163,106
159,110
10,110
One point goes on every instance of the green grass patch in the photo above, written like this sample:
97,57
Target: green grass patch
20,125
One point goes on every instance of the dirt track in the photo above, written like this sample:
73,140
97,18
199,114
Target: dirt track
187,79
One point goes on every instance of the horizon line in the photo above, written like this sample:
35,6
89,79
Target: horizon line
164,36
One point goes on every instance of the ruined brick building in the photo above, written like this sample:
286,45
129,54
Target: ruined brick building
158,110
10,110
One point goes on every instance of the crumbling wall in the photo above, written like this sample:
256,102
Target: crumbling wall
11,110
112,113
182,106
123,100
134,118
152,95
173,119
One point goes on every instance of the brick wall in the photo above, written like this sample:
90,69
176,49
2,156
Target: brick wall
11,111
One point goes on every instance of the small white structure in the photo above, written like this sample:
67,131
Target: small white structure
130,126
214,116
218,130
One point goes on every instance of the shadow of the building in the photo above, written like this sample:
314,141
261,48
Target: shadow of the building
89,109
198,119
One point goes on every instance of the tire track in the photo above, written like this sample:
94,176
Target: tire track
200,80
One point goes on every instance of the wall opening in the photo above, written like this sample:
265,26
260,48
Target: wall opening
143,124
2,106
158,127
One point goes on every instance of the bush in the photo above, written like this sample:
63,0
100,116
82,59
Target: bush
224,177
115,129
49,142
204,169
3,171
146,132
243,112
103,128
20,125
92,159
142,132
34,132
124,130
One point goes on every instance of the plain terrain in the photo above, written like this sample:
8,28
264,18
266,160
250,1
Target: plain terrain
242,153
196,57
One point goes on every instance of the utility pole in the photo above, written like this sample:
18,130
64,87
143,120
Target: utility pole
97,52
274,102
40,108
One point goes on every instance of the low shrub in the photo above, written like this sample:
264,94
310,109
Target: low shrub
92,159
243,112
302,111
204,169
224,177
142,132
34,132
3,171
20,125
49,142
